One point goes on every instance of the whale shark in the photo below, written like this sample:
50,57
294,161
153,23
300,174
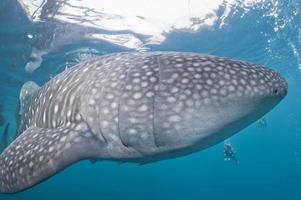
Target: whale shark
136,107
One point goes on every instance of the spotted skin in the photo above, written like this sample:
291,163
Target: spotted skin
135,107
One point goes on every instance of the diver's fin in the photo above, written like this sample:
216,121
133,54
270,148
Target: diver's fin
39,153
28,89
4,139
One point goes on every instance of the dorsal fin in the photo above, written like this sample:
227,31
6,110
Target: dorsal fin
28,89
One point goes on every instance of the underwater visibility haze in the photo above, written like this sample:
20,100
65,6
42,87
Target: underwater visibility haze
148,95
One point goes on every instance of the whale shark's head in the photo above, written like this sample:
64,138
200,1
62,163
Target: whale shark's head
250,90
226,97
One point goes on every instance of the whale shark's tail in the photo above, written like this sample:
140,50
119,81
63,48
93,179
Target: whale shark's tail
39,153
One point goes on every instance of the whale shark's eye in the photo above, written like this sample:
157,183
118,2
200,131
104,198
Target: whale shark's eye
275,91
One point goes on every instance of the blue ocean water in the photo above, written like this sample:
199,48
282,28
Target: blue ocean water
269,156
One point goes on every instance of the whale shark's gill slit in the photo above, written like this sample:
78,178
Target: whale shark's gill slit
91,132
107,71
122,92
154,98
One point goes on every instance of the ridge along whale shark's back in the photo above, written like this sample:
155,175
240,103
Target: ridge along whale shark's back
136,107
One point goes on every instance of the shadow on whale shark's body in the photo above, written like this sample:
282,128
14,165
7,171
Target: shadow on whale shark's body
134,107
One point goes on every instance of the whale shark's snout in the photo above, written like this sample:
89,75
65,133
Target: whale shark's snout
281,90
279,84
258,82
263,85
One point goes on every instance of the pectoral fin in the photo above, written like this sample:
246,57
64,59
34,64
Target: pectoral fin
39,153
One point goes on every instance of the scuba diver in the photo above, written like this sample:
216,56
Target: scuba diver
229,153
